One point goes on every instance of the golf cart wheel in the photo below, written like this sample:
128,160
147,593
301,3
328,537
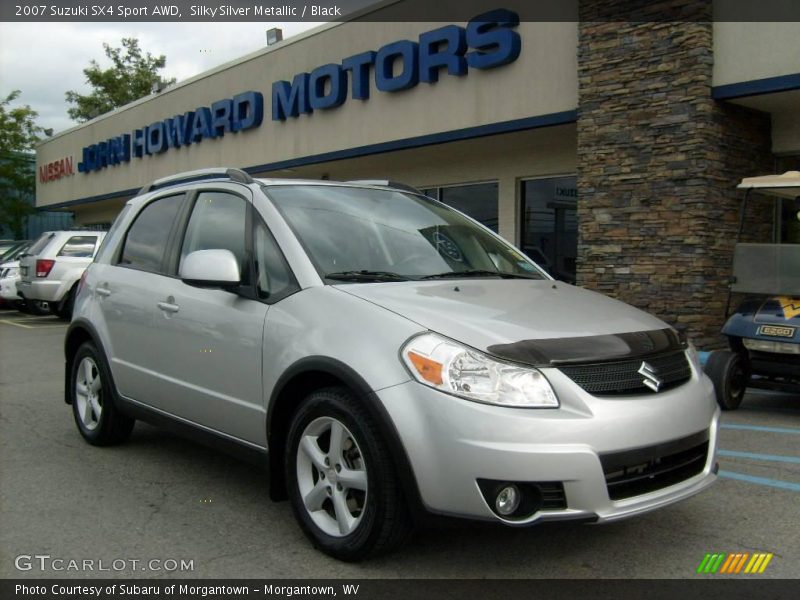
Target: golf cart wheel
728,372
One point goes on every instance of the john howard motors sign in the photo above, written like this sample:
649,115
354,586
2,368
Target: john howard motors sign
488,41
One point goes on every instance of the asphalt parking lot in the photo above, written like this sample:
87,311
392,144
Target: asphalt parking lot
162,497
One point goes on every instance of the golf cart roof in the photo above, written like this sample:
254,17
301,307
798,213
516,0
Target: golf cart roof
786,185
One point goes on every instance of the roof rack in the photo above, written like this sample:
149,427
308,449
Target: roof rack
199,175
387,183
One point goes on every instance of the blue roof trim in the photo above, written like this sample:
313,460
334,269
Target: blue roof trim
549,120
90,199
756,87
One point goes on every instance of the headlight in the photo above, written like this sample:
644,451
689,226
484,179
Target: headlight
450,367
768,346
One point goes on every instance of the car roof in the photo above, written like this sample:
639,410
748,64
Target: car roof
270,182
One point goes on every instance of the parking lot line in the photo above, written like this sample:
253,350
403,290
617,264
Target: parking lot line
755,456
759,428
16,323
776,483
8,322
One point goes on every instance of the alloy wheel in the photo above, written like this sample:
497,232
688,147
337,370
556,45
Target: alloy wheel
88,393
332,476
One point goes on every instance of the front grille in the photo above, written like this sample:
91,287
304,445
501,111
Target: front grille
623,377
643,470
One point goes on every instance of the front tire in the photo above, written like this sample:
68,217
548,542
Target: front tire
728,372
96,414
342,484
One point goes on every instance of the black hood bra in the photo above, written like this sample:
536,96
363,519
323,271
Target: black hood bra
589,349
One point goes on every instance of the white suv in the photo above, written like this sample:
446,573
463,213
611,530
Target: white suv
51,268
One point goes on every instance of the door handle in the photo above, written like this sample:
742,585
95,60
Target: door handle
103,291
169,305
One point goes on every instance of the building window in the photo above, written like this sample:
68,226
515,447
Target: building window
789,221
549,224
478,200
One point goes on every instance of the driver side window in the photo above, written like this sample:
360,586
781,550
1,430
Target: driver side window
218,221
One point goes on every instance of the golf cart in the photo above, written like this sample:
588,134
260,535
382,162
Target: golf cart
764,331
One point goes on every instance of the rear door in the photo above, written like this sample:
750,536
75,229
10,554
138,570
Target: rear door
127,292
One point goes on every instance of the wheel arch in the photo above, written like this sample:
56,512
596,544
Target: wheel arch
317,372
79,331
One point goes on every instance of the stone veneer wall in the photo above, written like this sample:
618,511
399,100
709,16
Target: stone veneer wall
658,161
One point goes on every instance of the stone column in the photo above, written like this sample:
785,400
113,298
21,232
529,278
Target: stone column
658,161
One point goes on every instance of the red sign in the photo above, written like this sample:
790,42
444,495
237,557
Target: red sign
57,169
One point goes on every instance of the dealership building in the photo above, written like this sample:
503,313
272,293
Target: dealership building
608,151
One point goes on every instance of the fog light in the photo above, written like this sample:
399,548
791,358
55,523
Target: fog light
507,500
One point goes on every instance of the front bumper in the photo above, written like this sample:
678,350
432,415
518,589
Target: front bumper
452,443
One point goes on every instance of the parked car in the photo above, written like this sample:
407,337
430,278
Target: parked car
387,355
12,251
6,245
53,265
9,275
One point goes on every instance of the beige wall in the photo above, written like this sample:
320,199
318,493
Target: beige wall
506,158
747,51
542,81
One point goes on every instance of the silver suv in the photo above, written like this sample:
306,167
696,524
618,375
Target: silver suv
386,355
51,268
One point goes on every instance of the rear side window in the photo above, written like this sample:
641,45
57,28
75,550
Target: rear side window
79,246
113,233
148,237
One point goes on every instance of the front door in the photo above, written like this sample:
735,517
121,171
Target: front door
210,341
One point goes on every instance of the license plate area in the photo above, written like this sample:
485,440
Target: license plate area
778,331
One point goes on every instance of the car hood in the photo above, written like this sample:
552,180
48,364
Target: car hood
532,321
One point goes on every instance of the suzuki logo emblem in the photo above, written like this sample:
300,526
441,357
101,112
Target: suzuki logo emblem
651,380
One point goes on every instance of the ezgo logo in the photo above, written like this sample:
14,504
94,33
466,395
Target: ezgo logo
735,563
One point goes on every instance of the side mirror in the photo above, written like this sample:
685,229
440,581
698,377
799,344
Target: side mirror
211,268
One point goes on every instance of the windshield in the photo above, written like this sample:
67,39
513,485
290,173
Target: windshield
359,234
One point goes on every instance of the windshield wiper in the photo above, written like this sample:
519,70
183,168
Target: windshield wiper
365,275
478,273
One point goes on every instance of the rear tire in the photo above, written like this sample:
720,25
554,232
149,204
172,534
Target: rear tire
34,307
92,394
63,309
728,372
342,483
